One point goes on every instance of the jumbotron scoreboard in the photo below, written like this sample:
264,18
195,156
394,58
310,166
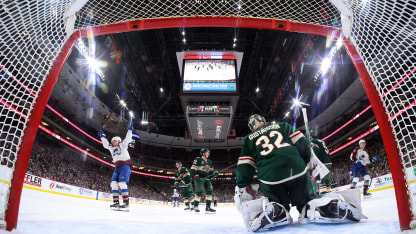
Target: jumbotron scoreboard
209,92
209,123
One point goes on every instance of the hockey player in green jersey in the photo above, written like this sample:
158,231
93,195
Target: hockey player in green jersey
183,182
322,152
280,155
201,171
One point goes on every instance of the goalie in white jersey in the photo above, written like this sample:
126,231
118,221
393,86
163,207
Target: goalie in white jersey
360,162
121,174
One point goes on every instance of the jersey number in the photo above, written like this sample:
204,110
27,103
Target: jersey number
264,141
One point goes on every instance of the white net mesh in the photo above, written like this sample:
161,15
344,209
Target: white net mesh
384,33
33,33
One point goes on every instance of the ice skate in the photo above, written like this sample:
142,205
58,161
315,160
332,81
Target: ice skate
188,208
209,210
115,205
124,207
367,195
196,209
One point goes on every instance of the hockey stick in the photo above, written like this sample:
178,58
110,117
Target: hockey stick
315,164
107,120
231,166
209,177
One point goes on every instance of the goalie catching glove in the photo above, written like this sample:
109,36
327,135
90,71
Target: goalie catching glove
245,194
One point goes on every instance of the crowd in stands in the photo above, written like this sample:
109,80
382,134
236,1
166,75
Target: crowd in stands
61,163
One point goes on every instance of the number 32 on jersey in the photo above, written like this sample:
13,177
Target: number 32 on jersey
264,141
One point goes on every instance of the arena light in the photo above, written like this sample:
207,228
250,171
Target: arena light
296,102
325,65
161,90
287,114
184,40
235,39
339,43
131,114
257,89
123,103
92,62
145,122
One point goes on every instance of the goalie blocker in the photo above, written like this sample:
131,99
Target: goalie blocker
260,214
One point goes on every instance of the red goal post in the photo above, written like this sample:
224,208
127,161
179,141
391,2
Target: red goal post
38,39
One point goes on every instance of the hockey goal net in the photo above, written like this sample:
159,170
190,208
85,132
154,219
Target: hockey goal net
37,36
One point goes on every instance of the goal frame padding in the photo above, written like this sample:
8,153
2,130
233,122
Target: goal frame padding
185,22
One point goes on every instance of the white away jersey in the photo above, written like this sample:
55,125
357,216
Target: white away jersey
176,194
360,155
119,153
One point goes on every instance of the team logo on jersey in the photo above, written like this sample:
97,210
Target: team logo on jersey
117,151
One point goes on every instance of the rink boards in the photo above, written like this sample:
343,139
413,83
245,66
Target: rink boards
49,186
381,182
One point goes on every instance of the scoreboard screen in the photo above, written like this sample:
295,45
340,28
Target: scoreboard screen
209,75
209,123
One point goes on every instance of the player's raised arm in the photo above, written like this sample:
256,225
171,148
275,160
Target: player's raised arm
103,138
129,135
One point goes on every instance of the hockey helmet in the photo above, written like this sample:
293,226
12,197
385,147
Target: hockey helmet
255,122
178,163
116,138
203,150
361,141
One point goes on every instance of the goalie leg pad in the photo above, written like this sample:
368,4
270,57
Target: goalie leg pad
250,209
330,209
273,215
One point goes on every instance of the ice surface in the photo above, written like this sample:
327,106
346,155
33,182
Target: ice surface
49,213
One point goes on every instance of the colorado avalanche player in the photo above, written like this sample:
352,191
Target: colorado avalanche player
175,198
360,161
121,174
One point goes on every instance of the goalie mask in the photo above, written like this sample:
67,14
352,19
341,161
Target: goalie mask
255,122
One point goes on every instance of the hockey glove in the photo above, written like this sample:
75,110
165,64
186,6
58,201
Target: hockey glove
245,194
215,174
101,134
130,125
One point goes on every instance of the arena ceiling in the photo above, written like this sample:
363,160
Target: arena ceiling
277,66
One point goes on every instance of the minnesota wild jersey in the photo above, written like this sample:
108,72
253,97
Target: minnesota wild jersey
279,153
182,176
202,168
321,151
